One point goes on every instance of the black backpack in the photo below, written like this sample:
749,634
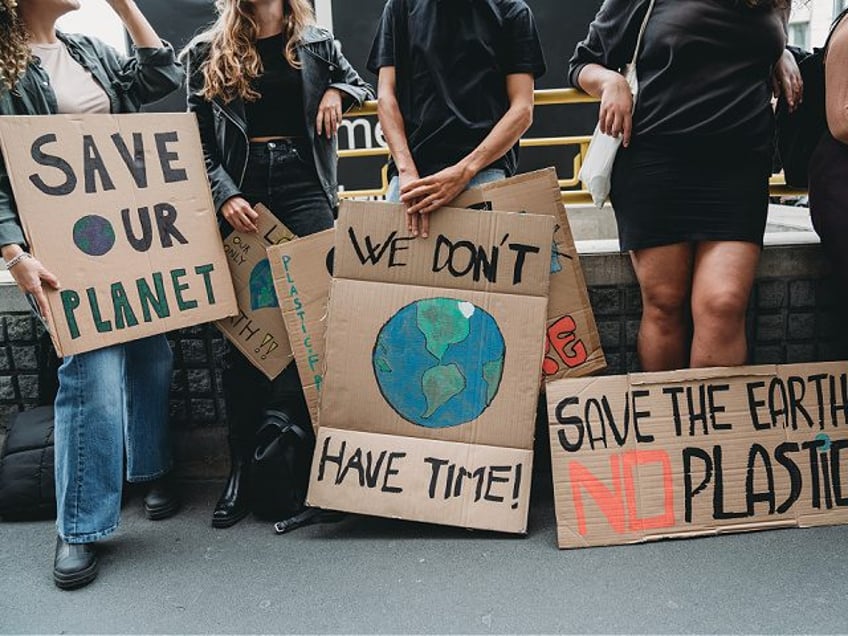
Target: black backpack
27,484
799,133
280,469
27,489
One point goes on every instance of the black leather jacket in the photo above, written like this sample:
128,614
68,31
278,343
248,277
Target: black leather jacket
223,126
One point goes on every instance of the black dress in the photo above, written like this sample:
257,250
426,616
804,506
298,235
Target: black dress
698,165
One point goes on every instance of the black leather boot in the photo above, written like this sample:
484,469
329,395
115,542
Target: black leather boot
234,503
161,500
245,393
74,564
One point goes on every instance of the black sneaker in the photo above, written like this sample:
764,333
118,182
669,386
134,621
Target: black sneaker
74,565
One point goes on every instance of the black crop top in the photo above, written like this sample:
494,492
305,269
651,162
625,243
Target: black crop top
278,112
704,68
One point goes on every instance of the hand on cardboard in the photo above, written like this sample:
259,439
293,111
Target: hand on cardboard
329,113
238,213
616,114
787,80
413,221
424,196
30,274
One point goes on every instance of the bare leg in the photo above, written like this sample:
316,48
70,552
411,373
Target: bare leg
721,286
664,275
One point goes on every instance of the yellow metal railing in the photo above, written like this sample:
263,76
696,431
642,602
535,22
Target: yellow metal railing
573,190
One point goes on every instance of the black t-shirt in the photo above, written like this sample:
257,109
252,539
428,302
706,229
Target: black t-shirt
704,69
451,59
279,110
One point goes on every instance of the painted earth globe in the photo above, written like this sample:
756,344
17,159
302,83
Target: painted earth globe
262,293
94,235
439,362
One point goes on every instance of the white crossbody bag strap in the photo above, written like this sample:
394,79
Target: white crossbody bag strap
630,70
642,33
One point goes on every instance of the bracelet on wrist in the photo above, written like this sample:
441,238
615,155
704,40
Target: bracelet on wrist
17,259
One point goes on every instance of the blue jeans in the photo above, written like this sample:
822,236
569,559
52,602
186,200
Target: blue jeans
481,178
111,402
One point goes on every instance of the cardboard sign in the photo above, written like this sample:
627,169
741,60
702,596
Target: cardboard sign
432,357
302,275
258,331
572,343
119,208
698,452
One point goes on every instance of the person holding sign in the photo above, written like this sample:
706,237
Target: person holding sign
112,401
690,183
455,91
268,88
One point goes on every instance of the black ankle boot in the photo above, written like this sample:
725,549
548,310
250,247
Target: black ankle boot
161,500
234,503
74,564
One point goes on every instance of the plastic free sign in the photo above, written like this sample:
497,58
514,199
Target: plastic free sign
696,452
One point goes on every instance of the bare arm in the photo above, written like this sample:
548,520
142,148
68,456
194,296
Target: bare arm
430,193
143,35
506,133
836,81
616,114
391,122
394,132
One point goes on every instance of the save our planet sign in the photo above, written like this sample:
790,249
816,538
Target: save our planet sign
119,208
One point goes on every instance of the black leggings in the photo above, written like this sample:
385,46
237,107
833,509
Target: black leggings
282,177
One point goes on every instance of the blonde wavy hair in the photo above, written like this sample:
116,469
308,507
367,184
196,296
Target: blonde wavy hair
14,48
233,61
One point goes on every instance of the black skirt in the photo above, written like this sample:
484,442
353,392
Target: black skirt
666,192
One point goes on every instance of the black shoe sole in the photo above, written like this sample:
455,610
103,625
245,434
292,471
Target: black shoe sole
157,514
77,579
226,522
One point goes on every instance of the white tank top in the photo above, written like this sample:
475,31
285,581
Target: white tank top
75,88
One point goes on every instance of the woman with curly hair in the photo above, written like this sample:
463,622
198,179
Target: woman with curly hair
268,88
690,183
114,401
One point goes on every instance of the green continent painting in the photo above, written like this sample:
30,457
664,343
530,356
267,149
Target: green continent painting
262,294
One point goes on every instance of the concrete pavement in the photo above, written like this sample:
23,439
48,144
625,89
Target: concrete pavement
367,575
